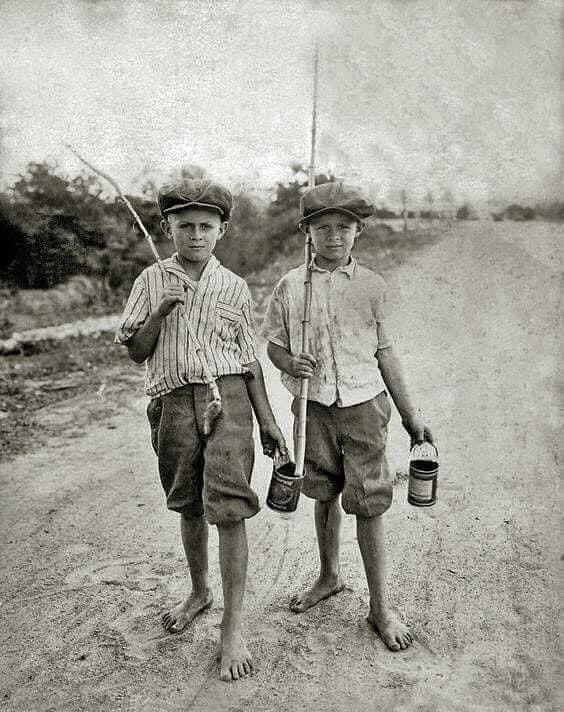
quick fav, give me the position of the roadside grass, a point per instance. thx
(93, 368)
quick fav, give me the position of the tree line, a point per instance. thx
(53, 227)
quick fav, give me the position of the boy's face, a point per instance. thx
(333, 236)
(194, 232)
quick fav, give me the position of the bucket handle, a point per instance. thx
(425, 442)
(279, 459)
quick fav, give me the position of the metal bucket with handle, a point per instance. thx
(285, 485)
(423, 474)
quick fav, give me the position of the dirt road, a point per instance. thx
(90, 557)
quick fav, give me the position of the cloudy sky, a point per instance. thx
(431, 95)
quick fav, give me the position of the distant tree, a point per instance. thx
(68, 227)
(518, 212)
(384, 213)
(283, 212)
(466, 212)
(403, 198)
(447, 201)
(463, 212)
(243, 247)
(550, 210)
(14, 247)
(430, 200)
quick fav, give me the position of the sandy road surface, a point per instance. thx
(90, 556)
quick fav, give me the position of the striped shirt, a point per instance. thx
(346, 330)
(220, 309)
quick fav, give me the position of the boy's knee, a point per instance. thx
(367, 507)
(328, 504)
(193, 515)
(231, 526)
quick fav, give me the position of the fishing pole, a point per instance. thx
(300, 444)
(213, 409)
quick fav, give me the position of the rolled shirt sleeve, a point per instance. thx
(380, 310)
(135, 313)
(275, 327)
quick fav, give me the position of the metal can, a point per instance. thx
(423, 474)
(285, 486)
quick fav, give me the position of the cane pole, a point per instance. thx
(213, 408)
(302, 403)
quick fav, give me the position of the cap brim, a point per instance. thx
(306, 219)
(206, 206)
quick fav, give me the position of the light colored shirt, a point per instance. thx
(220, 309)
(346, 331)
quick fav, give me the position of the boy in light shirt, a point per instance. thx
(350, 365)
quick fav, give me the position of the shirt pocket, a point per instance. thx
(228, 320)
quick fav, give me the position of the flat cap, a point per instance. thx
(334, 197)
(195, 193)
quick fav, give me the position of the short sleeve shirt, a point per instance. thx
(219, 307)
(346, 331)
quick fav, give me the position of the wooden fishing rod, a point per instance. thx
(213, 409)
(300, 443)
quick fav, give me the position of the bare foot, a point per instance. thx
(395, 634)
(236, 661)
(321, 589)
(178, 617)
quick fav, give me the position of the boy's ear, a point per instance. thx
(360, 226)
(165, 227)
(223, 229)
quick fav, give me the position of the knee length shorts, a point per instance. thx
(345, 453)
(209, 476)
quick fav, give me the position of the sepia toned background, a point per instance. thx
(449, 115)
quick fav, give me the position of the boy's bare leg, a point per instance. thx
(195, 540)
(236, 661)
(370, 534)
(327, 526)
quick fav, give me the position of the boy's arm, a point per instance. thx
(142, 343)
(270, 434)
(299, 365)
(392, 373)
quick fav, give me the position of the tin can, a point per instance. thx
(285, 486)
(423, 474)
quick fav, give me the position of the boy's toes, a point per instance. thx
(395, 635)
(296, 604)
(225, 675)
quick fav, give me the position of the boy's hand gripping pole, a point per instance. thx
(213, 408)
(300, 443)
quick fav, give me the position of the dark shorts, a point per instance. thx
(209, 476)
(345, 452)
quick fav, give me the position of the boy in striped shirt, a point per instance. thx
(350, 365)
(206, 479)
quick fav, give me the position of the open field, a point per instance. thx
(91, 557)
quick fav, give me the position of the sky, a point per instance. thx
(446, 95)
